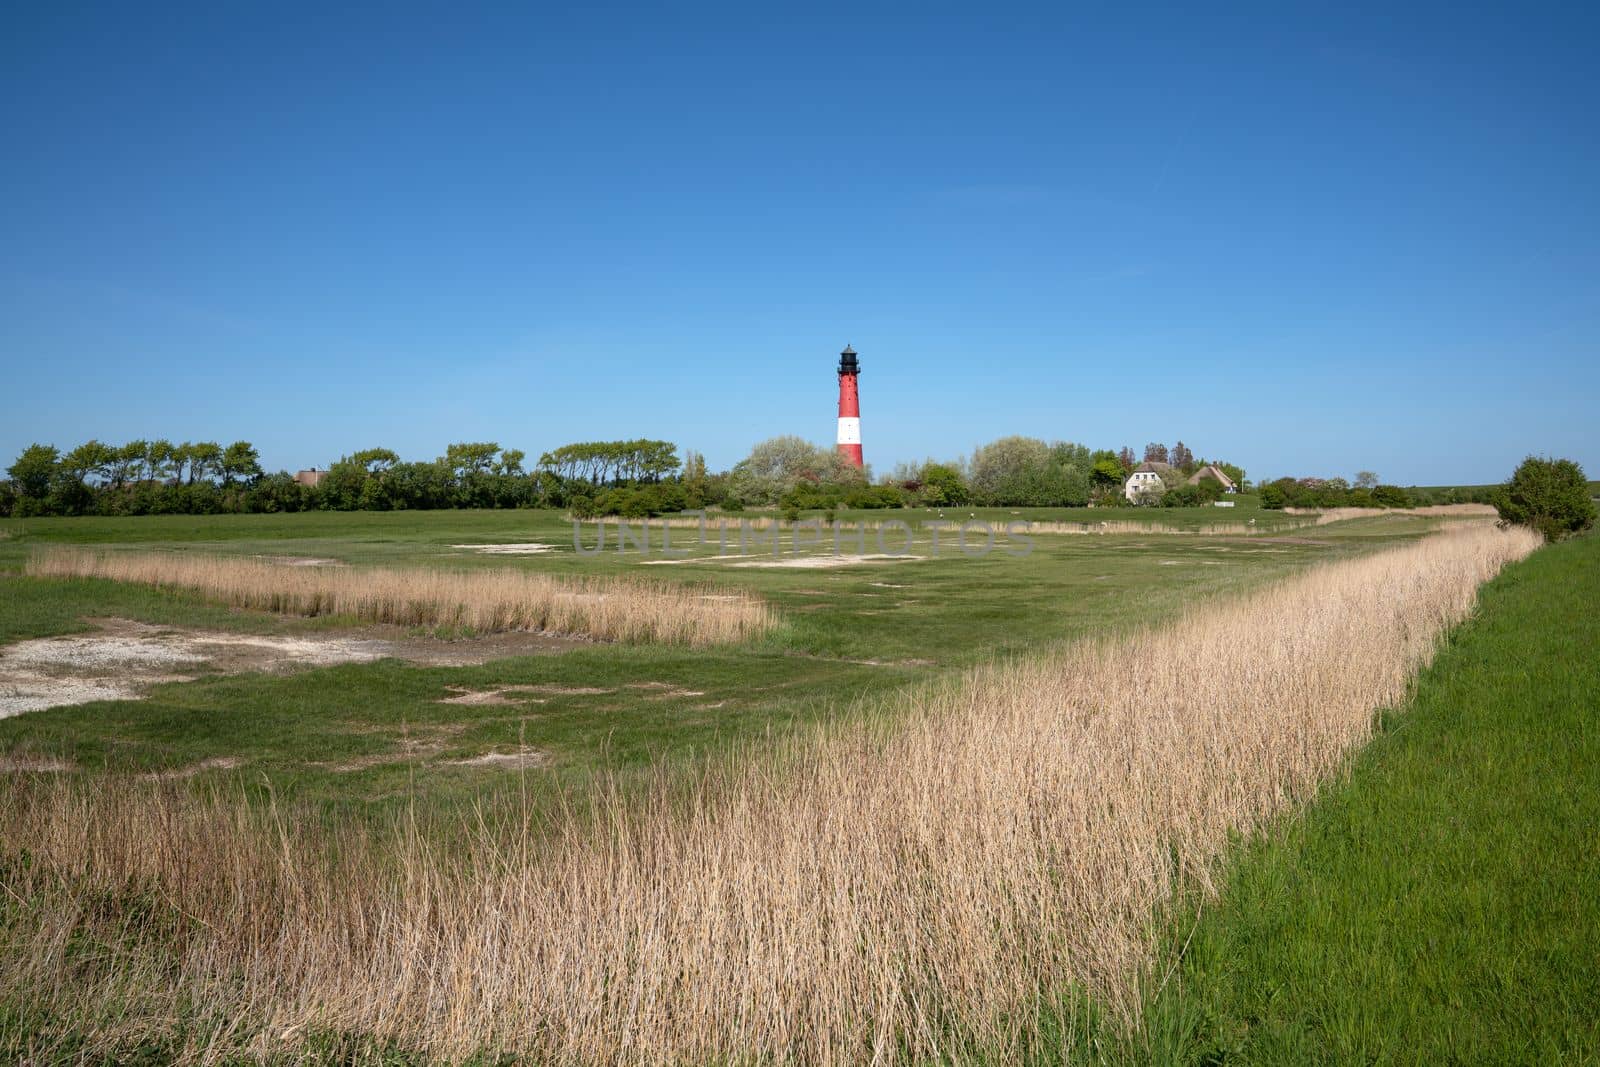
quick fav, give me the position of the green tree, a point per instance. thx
(89, 460)
(1548, 495)
(469, 459)
(34, 470)
(126, 462)
(205, 460)
(1007, 471)
(777, 465)
(946, 481)
(240, 462)
(158, 460)
(1107, 469)
(1391, 496)
(373, 460)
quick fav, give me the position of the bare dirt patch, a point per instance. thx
(520, 548)
(823, 562)
(122, 659)
(666, 689)
(496, 695)
(417, 744)
(510, 761)
(214, 763)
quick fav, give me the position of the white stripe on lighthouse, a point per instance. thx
(849, 431)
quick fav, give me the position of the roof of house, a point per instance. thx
(1210, 471)
(1152, 465)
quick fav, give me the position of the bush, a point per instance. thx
(1547, 495)
(875, 496)
(1391, 496)
(1273, 498)
(1183, 496)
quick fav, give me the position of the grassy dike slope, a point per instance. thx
(1443, 904)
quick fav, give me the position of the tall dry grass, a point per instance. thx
(901, 889)
(1324, 516)
(486, 601)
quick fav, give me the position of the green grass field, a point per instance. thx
(1441, 905)
(848, 636)
(1435, 907)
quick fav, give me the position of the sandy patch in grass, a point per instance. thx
(416, 744)
(493, 695)
(510, 761)
(517, 548)
(32, 765)
(666, 689)
(562, 690)
(123, 659)
(213, 763)
(824, 562)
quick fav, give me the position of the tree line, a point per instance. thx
(159, 477)
(644, 477)
(632, 478)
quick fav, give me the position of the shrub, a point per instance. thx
(943, 484)
(875, 496)
(1182, 496)
(1547, 495)
(1391, 496)
(1273, 498)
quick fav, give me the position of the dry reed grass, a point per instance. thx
(1323, 516)
(485, 601)
(902, 889)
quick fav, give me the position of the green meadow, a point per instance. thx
(1440, 904)
(374, 736)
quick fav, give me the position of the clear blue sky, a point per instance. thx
(1311, 241)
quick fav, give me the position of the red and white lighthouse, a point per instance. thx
(849, 407)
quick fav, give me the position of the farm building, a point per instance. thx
(309, 478)
(1145, 477)
(1216, 475)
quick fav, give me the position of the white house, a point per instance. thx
(1146, 477)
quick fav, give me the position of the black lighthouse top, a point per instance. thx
(847, 361)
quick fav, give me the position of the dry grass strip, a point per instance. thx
(878, 894)
(484, 601)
